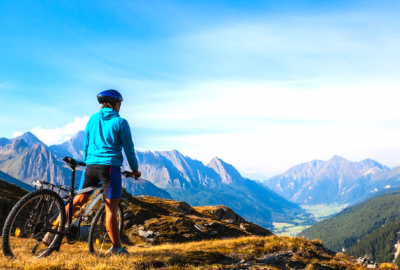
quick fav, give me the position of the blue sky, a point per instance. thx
(263, 85)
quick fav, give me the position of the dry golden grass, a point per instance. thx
(194, 255)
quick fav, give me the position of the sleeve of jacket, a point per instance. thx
(127, 144)
(86, 143)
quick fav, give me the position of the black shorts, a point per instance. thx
(110, 177)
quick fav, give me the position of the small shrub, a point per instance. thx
(318, 242)
(388, 266)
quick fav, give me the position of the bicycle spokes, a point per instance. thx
(29, 226)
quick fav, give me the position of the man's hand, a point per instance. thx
(136, 174)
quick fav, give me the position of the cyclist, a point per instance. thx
(106, 134)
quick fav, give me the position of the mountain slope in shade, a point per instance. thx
(318, 181)
(73, 147)
(218, 183)
(380, 245)
(350, 226)
(12, 180)
(144, 187)
(4, 141)
(9, 196)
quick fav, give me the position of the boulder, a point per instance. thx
(227, 213)
(128, 216)
(146, 234)
(183, 208)
(136, 218)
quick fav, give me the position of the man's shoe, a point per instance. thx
(117, 251)
(48, 238)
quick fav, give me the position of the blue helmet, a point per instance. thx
(109, 96)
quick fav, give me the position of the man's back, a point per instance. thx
(103, 143)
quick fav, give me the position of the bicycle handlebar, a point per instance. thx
(129, 174)
(126, 174)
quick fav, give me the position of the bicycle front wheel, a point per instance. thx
(25, 226)
(99, 240)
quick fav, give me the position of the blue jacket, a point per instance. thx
(105, 135)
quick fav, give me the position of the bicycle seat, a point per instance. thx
(74, 162)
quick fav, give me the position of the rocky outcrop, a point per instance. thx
(224, 212)
(156, 221)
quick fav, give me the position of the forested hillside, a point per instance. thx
(379, 246)
(354, 223)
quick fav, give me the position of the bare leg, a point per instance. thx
(112, 222)
(79, 200)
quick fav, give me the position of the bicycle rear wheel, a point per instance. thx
(99, 240)
(23, 229)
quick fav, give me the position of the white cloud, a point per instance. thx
(58, 135)
(17, 133)
(268, 127)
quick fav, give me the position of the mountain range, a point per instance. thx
(336, 180)
(217, 183)
(167, 174)
(26, 158)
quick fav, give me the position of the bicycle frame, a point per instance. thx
(72, 194)
(95, 199)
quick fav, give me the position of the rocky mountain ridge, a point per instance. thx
(25, 162)
(318, 182)
(189, 180)
(72, 147)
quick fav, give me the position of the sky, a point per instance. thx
(263, 85)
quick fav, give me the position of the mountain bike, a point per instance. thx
(42, 211)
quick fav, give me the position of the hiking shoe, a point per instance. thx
(117, 251)
(48, 239)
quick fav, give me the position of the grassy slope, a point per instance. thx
(378, 245)
(219, 254)
(354, 223)
(10, 192)
(161, 216)
(10, 179)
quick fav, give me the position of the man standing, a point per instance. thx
(105, 135)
